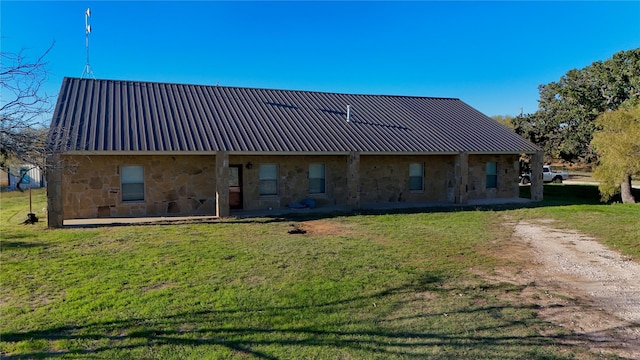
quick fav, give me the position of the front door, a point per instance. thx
(235, 186)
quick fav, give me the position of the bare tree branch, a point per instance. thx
(23, 108)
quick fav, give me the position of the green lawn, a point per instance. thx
(379, 286)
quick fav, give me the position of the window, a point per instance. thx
(132, 183)
(24, 175)
(416, 177)
(317, 179)
(492, 175)
(268, 179)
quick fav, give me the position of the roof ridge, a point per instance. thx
(266, 89)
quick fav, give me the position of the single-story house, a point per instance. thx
(132, 148)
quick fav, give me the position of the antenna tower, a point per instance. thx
(87, 30)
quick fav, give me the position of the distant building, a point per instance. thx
(130, 149)
(33, 177)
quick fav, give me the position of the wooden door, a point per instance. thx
(235, 186)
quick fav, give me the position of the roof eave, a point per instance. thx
(290, 153)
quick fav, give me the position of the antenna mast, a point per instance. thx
(87, 30)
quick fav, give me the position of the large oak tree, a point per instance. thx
(565, 121)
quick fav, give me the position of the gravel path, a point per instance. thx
(605, 280)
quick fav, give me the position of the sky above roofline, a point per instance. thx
(491, 55)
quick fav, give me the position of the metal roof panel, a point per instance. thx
(112, 115)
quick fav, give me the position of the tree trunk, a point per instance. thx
(625, 191)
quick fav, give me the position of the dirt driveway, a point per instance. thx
(589, 289)
(577, 283)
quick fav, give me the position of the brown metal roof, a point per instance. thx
(131, 116)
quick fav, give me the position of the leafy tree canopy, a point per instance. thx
(565, 121)
(505, 120)
(618, 145)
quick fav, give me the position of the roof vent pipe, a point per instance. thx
(348, 113)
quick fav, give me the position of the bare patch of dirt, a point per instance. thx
(158, 286)
(324, 227)
(578, 283)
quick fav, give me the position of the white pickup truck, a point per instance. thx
(549, 174)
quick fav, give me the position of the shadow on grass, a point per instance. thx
(497, 332)
(554, 195)
(7, 236)
(5, 245)
(564, 194)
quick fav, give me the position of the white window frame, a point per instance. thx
(414, 169)
(266, 178)
(312, 176)
(131, 179)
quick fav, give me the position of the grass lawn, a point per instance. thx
(379, 286)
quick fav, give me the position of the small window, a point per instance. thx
(132, 181)
(492, 175)
(317, 179)
(416, 177)
(24, 175)
(268, 179)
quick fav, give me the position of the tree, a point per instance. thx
(23, 109)
(618, 145)
(505, 120)
(565, 121)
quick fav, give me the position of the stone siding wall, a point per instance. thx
(508, 168)
(386, 179)
(293, 180)
(382, 179)
(185, 185)
(173, 185)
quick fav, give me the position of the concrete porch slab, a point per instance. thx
(278, 212)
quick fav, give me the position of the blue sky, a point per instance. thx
(491, 55)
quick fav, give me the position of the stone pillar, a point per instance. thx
(353, 180)
(222, 184)
(537, 185)
(53, 173)
(462, 177)
(516, 184)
